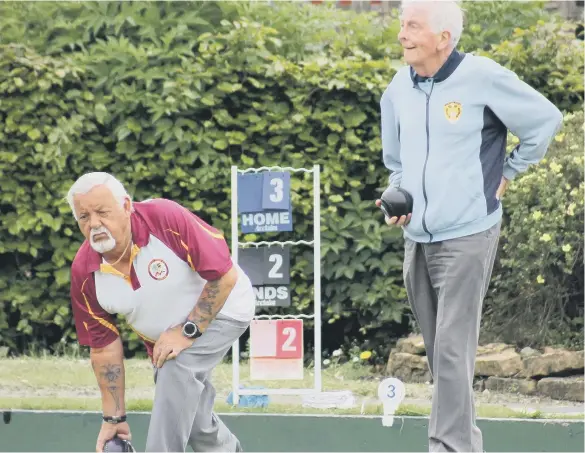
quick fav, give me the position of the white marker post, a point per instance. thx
(391, 392)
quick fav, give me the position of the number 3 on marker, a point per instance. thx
(391, 391)
(276, 196)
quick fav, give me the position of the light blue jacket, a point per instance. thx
(444, 141)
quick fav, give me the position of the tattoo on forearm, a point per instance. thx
(114, 392)
(110, 377)
(209, 303)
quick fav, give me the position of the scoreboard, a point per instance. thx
(261, 203)
(264, 205)
(276, 349)
(264, 202)
(269, 271)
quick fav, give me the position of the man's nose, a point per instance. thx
(401, 35)
(94, 221)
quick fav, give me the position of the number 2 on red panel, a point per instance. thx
(290, 334)
(289, 339)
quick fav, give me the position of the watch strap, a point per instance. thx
(114, 419)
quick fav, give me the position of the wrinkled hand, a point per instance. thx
(169, 345)
(109, 431)
(502, 188)
(395, 221)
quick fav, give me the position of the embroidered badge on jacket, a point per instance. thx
(453, 111)
(158, 269)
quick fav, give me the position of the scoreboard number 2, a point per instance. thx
(291, 334)
(289, 341)
(275, 258)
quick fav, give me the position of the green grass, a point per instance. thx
(64, 373)
(60, 383)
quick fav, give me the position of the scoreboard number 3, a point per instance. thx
(278, 194)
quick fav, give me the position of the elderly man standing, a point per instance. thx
(171, 276)
(444, 122)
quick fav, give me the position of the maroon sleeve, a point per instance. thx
(95, 327)
(192, 239)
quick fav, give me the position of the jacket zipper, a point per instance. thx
(424, 222)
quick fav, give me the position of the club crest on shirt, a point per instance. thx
(158, 269)
(453, 111)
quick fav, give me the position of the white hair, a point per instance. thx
(88, 181)
(444, 15)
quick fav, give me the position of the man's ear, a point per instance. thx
(444, 40)
(127, 206)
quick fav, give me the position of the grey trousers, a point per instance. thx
(446, 283)
(182, 412)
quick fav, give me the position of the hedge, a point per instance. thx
(537, 291)
(169, 111)
(177, 138)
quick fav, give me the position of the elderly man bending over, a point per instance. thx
(171, 276)
(445, 118)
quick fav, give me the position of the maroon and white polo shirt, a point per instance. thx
(173, 256)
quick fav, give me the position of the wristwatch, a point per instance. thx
(114, 420)
(190, 330)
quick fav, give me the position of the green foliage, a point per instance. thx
(537, 293)
(488, 23)
(548, 57)
(172, 124)
(57, 27)
(167, 96)
(538, 46)
(306, 30)
(46, 115)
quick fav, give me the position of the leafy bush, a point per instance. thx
(492, 22)
(176, 136)
(537, 292)
(547, 57)
(525, 38)
(128, 88)
(46, 115)
(306, 30)
(55, 27)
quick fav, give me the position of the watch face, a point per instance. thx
(190, 329)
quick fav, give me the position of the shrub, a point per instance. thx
(55, 28)
(490, 23)
(306, 30)
(46, 114)
(537, 291)
(548, 58)
(525, 37)
(177, 137)
(168, 108)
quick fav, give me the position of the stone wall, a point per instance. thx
(553, 373)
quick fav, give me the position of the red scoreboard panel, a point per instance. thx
(276, 349)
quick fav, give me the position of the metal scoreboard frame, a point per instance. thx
(316, 315)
